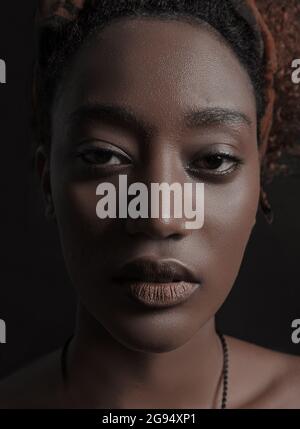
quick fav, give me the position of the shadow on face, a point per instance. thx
(158, 102)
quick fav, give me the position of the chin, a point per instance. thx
(155, 333)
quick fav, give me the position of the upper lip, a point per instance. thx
(152, 271)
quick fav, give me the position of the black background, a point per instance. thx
(37, 300)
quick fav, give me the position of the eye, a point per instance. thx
(103, 157)
(216, 164)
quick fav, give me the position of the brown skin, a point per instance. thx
(140, 358)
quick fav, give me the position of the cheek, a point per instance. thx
(83, 236)
(230, 217)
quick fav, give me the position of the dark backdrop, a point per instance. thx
(37, 301)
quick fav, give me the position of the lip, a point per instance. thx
(157, 284)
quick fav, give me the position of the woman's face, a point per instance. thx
(162, 97)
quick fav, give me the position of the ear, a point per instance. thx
(42, 167)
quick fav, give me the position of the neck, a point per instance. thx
(188, 377)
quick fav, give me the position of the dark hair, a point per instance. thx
(60, 39)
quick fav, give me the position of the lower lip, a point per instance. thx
(160, 295)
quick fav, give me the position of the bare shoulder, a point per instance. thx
(38, 385)
(262, 378)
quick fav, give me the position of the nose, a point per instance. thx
(164, 178)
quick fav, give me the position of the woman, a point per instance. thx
(166, 91)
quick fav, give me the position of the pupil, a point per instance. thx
(100, 157)
(104, 156)
(214, 161)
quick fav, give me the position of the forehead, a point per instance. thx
(158, 67)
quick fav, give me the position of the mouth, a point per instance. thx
(157, 284)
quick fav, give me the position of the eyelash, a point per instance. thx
(94, 151)
(236, 162)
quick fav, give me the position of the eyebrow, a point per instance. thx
(126, 118)
(113, 114)
(216, 115)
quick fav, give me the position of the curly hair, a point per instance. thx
(65, 25)
(283, 19)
